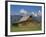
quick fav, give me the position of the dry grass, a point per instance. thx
(27, 26)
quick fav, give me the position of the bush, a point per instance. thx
(15, 24)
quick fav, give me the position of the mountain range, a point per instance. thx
(16, 18)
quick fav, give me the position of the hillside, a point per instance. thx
(28, 25)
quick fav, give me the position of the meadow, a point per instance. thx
(28, 26)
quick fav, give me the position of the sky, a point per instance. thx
(18, 9)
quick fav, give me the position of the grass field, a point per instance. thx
(29, 26)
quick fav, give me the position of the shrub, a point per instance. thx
(15, 24)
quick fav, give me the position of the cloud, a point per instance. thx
(34, 14)
(23, 11)
(39, 13)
